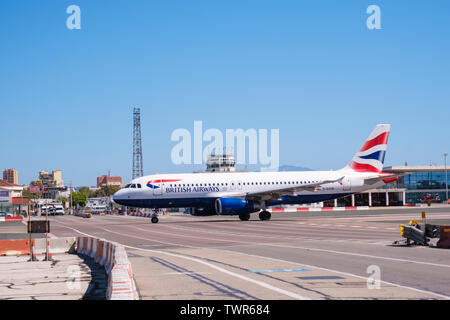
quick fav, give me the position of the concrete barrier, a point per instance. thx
(22, 246)
(14, 247)
(113, 256)
(321, 209)
(57, 245)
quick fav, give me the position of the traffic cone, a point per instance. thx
(48, 254)
(32, 252)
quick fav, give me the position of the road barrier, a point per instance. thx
(6, 219)
(14, 247)
(307, 209)
(113, 256)
(141, 214)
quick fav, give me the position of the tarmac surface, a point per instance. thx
(67, 277)
(315, 255)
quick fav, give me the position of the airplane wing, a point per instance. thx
(275, 194)
(388, 177)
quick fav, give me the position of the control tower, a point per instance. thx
(220, 163)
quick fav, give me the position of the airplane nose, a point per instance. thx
(117, 196)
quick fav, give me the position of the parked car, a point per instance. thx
(5, 214)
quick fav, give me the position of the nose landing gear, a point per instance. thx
(155, 216)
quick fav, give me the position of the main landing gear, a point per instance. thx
(244, 216)
(264, 215)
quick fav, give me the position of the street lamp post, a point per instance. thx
(446, 177)
(71, 208)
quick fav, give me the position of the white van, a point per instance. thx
(98, 209)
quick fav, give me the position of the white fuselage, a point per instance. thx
(198, 189)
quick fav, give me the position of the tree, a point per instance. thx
(79, 198)
(107, 191)
(63, 200)
(28, 194)
(86, 191)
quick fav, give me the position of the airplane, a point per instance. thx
(243, 193)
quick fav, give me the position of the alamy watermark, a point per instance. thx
(74, 20)
(374, 280)
(73, 277)
(190, 149)
(374, 20)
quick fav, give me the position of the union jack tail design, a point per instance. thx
(370, 157)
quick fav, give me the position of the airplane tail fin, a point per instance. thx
(370, 158)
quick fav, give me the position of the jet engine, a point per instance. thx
(236, 206)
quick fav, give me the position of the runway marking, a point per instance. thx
(276, 237)
(291, 294)
(359, 255)
(340, 272)
(277, 270)
(186, 236)
(133, 236)
(230, 273)
(372, 242)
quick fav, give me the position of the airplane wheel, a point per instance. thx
(264, 215)
(244, 217)
(155, 220)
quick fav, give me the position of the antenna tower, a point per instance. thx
(138, 170)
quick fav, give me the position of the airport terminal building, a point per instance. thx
(422, 182)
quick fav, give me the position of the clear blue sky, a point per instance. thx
(309, 68)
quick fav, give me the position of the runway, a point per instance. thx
(292, 256)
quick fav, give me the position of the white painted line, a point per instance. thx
(359, 255)
(344, 273)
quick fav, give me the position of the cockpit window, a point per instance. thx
(133, 186)
(127, 186)
(139, 185)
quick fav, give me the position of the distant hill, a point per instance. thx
(293, 168)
